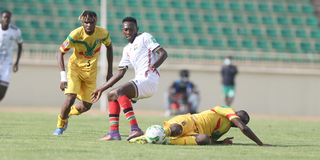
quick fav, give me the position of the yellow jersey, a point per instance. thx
(215, 122)
(86, 48)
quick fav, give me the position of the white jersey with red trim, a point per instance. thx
(140, 55)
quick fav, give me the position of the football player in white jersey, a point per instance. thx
(145, 55)
(9, 35)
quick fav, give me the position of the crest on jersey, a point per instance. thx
(153, 40)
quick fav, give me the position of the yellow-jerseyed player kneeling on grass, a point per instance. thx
(80, 81)
(205, 128)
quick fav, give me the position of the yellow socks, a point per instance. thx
(61, 122)
(74, 111)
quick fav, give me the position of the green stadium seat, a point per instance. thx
(50, 24)
(55, 38)
(204, 4)
(22, 24)
(27, 36)
(111, 27)
(176, 4)
(151, 16)
(74, 2)
(179, 17)
(209, 18)
(188, 41)
(256, 32)
(154, 28)
(292, 8)
(66, 25)
(147, 3)
(191, 4)
(183, 29)
(262, 44)
(286, 33)
(227, 31)
(315, 34)
(282, 20)
(64, 13)
(131, 3)
(305, 47)
(311, 21)
(40, 36)
(232, 43)
(168, 28)
(161, 3)
(234, 6)
(263, 7)
(278, 8)
(195, 17)
(19, 11)
(197, 29)
(120, 14)
(218, 43)
(238, 19)
(249, 7)
(137, 15)
(247, 43)
(278, 46)
(267, 20)
(296, 21)
(252, 19)
(242, 31)
(160, 40)
(35, 24)
(117, 3)
(165, 16)
(307, 9)
(203, 42)
(317, 47)
(271, 32)
(213, 30)
(291, 47)
(220, 6)
(47, 11)
(301, 33)
(174, 41)
(223, 18)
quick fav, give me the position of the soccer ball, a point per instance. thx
(155, 134)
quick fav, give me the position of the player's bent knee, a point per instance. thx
(202, 139)
(176, 129)
(112, 95)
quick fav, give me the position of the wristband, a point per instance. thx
(63, 76)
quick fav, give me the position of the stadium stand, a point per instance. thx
(276, 27)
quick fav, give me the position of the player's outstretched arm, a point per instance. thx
(95, 96)
(246, 130)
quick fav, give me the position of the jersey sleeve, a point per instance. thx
(225, 111)
(106, 40)
(19, 37)
(68, 43)
(150, 42)
(124, 62)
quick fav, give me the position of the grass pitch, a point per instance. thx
(29, 136)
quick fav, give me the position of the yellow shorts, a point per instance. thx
(82, 84)
(186, 121)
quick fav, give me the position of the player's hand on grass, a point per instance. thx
(63, 85)
(227, 141)
(95, 96)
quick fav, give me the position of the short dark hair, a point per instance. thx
(88, 13)
(184, 73)
(130, 19)
(6, 11)
(244, 116)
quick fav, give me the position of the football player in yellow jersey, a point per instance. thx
(206, 127)
(80, 80)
